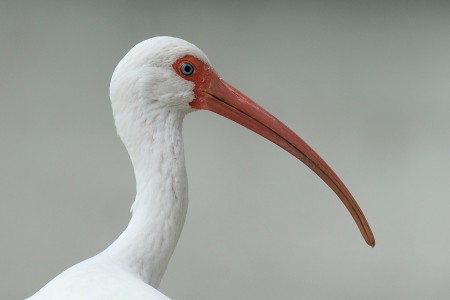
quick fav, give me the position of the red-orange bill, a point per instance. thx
(214, 94)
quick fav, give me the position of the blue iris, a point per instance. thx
(187, 68)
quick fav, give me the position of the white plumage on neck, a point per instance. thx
(161, 201)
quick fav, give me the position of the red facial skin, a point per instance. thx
(214, 94)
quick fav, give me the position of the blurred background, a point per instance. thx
(366, 84)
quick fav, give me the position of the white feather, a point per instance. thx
(149, 101)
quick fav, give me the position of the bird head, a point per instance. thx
(166, 75)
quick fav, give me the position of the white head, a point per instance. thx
(144, 83)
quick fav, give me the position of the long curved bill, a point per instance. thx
(220, 97)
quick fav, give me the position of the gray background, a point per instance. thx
(366, 84)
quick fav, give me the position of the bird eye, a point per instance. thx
(187, 68)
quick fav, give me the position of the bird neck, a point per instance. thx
(159, 210)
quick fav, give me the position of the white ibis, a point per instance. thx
(153, 87)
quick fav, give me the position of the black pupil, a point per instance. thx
(187, 69)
